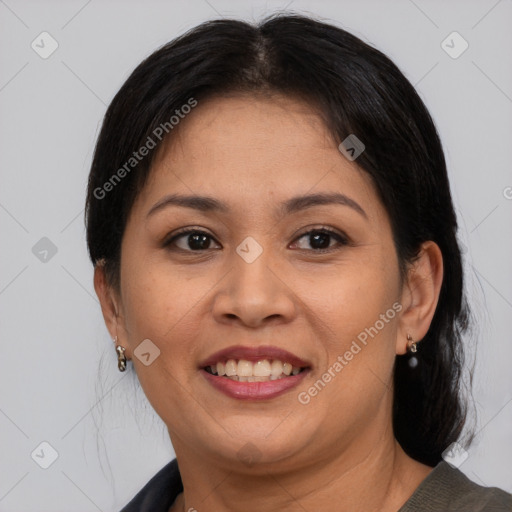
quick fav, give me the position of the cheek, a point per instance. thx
(357, 308)
(157, 307)
(155, 298)
(353, 295)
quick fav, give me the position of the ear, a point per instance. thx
(420, 295)
(109, 301)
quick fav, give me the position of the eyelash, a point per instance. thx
(340, 238)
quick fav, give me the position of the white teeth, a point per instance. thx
(259, 371)
(231, 368)
(261, 368)
(276, 368)
(221, 369)
(244, 368)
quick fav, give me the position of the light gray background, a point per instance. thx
(109, 442)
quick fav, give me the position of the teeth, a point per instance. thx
(277, 368)
(221, 369)
(231, 368)
(261, 368)
(260, 371)
(244, 368)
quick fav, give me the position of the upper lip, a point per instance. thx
(254, 354)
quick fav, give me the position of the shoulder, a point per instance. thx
(448, 489)
(160, 491)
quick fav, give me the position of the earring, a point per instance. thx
(411, 344)
(121, 358)
(412, 348)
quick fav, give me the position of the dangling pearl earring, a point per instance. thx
(412, 348)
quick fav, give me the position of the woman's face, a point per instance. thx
(290, 260)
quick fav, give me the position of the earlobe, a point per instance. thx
(420, 295)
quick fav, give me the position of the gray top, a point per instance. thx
(445, 489)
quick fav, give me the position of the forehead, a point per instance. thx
(253, 148)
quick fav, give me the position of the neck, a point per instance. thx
(380, 478)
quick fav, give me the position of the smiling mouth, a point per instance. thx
(264, 370)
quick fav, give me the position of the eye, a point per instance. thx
(195, 240)
(320, 240)
(191, 240)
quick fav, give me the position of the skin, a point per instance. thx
(338, 452)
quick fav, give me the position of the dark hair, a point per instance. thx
(357, 90)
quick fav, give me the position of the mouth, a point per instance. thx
(263, 370)
(254, 373)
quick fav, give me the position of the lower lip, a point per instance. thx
(254, 390)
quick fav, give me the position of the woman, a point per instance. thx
(275, 250)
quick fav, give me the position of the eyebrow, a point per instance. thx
(295, 204)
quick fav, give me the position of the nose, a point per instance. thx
(254, 294)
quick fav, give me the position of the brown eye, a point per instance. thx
(192, 241)
(320, 240)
